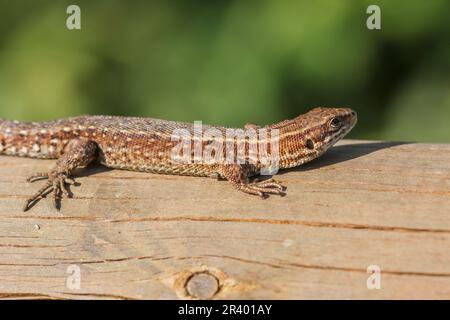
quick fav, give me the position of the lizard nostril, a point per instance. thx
(310, 144)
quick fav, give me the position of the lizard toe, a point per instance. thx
(41, 193)
(275, 185)
(37, 176)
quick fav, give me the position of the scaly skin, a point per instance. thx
(145, 144)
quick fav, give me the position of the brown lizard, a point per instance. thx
(146, 144)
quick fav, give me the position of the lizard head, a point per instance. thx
(329, 125)
(314, 132)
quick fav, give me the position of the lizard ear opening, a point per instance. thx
(310, 144)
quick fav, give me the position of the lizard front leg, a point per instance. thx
(239, 175)
(77, 153)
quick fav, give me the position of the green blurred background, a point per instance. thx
(231, 62)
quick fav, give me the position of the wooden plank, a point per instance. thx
(137, 235)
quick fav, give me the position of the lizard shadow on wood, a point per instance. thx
(344, 153)
(90, 170)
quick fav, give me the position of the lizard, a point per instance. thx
(146, 144)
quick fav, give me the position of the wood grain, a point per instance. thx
(137, 235)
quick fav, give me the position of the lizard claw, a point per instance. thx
(56, 183)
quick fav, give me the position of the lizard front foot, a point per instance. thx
(77, 153)
(239, 175)
(56, 183)
(263, 188)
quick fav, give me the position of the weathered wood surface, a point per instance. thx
(137, 235)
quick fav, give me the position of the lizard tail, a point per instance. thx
(2, 136)
(26, 139)
(14, 137)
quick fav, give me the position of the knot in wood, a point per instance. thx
(202, 285)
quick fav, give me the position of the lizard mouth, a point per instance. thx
(350, 121)
(353, 120)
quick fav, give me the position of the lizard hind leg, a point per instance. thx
(77, 153)
(239, 175)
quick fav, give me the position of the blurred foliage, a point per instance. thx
(231, 62)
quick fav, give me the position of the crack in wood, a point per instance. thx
(334, 268)
(99, 295)
(288, 222)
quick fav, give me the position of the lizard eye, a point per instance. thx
(335, 123)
